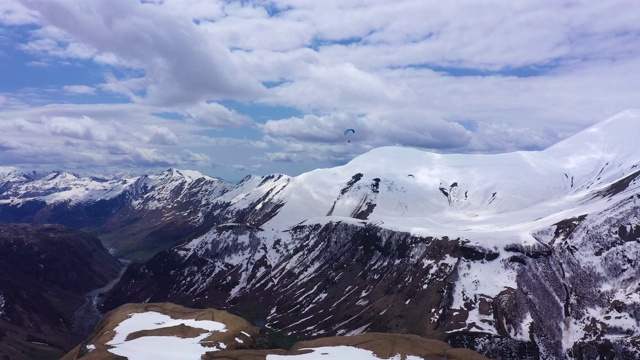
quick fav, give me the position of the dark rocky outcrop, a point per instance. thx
(45, 271)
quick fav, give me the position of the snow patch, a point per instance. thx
(161, 347)
(337, 353)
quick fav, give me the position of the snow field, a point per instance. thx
(338, 353)
(161, 347)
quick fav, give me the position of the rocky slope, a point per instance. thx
(45, 271)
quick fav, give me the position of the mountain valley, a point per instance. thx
(45, 272)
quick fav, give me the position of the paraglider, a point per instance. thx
(349, 131)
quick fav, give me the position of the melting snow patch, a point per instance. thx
(523, 335)
(337, 353)
(161, 347)
(357, 331)
(91, 347)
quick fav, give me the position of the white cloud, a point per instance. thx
(518, 75)
(406, 127)
(500, 137)
(127, 137)
(191, 158)
(14, 13)
(239, 167)
(216, 116)
(79, 89)
(83, 128)
(279, 157)
(311, 128)
(150, 156)
(160, 135)
(341, 86)
(8, 144)
(41, 64)
(177, 71)
(277, 34)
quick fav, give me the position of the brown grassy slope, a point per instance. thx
(389, 345)
(103, 332)
(384, 346)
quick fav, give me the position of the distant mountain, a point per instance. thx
(136, 217)
(45, 271)
(518, 255)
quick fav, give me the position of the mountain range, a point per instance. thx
(530, 254)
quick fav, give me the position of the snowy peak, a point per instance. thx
(55, 187)
(496, 183)
(12, 175)
(61, 176)
(187, 175)
(602, 153)
(6, 171)
(616, 136)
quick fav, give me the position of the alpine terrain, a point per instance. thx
(529, 255)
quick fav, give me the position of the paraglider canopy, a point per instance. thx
(349, 131)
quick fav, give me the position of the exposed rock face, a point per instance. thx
(45, 271)
(339, 279)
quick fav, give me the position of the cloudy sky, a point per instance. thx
(257, 86)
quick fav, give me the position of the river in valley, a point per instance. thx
(88, 315)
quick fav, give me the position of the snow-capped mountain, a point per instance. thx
(138, 216)
(151, 212)
(518, 255)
